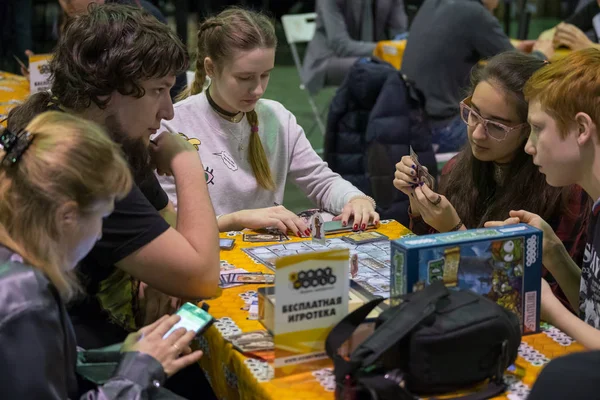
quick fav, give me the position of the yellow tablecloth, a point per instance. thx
(231, 378)
(392, 51)
(14, 89)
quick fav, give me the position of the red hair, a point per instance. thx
(567, 87)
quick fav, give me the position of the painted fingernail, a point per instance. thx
(355, 227)
(344, 223)
(307, 232)
(363, 227)
(415, 179)
(421, 184)
(298, 234)
(412, 172)
(414, 167)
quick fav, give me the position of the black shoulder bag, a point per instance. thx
(436, 341)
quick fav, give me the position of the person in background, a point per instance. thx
(72, 8)
(581, 30)
(565, 145)
(59, 178)
(15, 32)
(121, 80)
(486, 179)
(346, 31)
(447, 39)
(252, 146)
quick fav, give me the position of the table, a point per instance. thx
(233, 376)
(14, 89)
(392, 51)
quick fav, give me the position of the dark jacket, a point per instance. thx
(38, 350)
(447, 39)
(374, 118)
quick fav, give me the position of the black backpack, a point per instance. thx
(436, 341)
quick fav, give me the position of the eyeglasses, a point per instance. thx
(495, 130)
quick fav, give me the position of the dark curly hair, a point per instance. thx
(112, 48)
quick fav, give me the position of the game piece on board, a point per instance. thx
(318, 233)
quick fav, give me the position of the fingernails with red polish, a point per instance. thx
(355, 227)
(307, 232)
(363, 227)
(344, 223)
(299, 234)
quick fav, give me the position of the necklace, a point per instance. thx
(229, 116)
(240, 140)
(500, 173)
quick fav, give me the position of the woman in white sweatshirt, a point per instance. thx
(251, 146)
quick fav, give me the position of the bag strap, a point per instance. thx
(344, 329)
(401, 321)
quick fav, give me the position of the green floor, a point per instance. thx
(284, 87)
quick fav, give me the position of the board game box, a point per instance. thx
(503, 264)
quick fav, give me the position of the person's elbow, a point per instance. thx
(204, 283)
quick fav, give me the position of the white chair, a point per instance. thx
(300, 28)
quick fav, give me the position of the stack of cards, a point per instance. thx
(252, 342)
(232, 278)
(265, 237)
(364, 237)
(422, 173)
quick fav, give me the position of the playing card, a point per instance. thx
(422, 174)
(252, 336)
(255, 345)
(251, 278)
(263, 237)
(364, 237)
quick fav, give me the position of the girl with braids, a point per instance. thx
(493, 174)
(251, 146)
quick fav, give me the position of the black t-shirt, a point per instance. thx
(134, 223)
(589, 292)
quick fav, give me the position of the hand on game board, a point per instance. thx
(550, 241)
(359, 210)
(277, 217)
(435, 209)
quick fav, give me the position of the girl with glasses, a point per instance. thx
(492, 174)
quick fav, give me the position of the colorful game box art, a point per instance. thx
(503, 264)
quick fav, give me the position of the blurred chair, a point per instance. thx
(300, 28)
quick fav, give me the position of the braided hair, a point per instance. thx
(219, 38)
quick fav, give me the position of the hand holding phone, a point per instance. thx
(193, 318)
(172, 352)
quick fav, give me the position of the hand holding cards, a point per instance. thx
(422, 174)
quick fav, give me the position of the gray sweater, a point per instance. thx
(349, 28)
(447, 38)
(223, 145)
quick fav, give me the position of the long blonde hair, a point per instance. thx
(219, 37)
(69, 159)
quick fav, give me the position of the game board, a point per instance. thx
(373, 260)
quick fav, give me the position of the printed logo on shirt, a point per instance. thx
(589, 292)
(227, 160)
(193, 141)
(209, 176)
